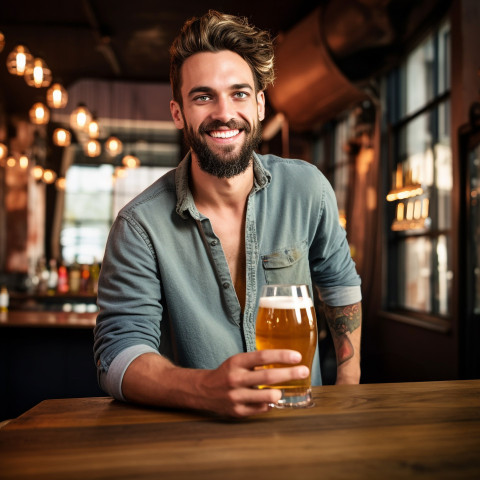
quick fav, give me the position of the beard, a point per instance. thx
(226, 164)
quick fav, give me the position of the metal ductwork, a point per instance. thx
(324, 63)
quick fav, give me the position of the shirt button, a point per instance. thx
(213, 243)
(226, 285)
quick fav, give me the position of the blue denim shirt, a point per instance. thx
(165, 285)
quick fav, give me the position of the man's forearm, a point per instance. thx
(345, 324)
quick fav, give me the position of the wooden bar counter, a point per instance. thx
(425, 430)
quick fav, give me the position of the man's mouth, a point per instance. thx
(224, 133)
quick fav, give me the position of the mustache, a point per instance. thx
(232, 124)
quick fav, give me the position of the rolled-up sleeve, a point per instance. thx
(129, 296)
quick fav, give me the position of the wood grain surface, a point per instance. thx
(427, 430)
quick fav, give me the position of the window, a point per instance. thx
(420, 196)
(92, 200)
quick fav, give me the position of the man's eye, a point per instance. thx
(202, 98)
(241, 94)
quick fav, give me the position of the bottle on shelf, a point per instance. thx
(42, 275)
(74, 277)
(62, 284)
(94, 273)
(85, 279)
(52, 277)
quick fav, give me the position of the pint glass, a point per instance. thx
(286, 319)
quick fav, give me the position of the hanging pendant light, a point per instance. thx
(3, 151)
(38, 74)
(92, 148)
(2, 41)
(61, 183)
(113, 146)
(57, 96)
(23, 161)
(93, 127)
(39, 114)
(80, 117)
(62, 137)
(11, 162)
(49, 176)
(131, 161)
(18, 60)
(37, 172)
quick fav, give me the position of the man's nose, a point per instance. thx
(223, 110)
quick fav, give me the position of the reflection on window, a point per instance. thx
(421, 184)
(92, 200)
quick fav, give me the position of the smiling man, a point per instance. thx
(186, 259)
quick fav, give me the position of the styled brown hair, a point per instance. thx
(216, 31)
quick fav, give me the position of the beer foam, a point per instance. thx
(285, 303)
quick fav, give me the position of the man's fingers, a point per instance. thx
(272, 376)
(250, 360)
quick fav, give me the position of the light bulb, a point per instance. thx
(37, 172)
(92, 148)
(39, 114)
(23, 161)
(130, 161)
(3, 151)
(80, 117)
(18, 60)
(61, 137)
(113, 146)
(38, 74)
(57, 96)
(49, 176)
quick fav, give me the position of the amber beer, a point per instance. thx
(286, 319)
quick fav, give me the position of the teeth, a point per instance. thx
(224, 133)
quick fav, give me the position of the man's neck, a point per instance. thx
(213, 192)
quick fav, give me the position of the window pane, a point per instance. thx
(418, 75)
(444, 58)
(414, 274)
(443, 283)
(443, 169)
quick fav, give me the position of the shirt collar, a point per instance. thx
(185, 203)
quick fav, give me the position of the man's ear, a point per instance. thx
(176, 113)
(261, 105)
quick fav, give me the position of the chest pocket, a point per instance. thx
(287, 265)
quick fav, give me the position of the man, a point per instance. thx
(186, 259)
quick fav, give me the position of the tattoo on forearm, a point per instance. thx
(343, 320)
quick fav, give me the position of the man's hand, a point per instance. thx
(231, 389)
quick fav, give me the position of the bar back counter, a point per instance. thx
(45, 354)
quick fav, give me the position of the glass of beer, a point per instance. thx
(286, 319)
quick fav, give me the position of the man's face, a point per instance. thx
(221, 112)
